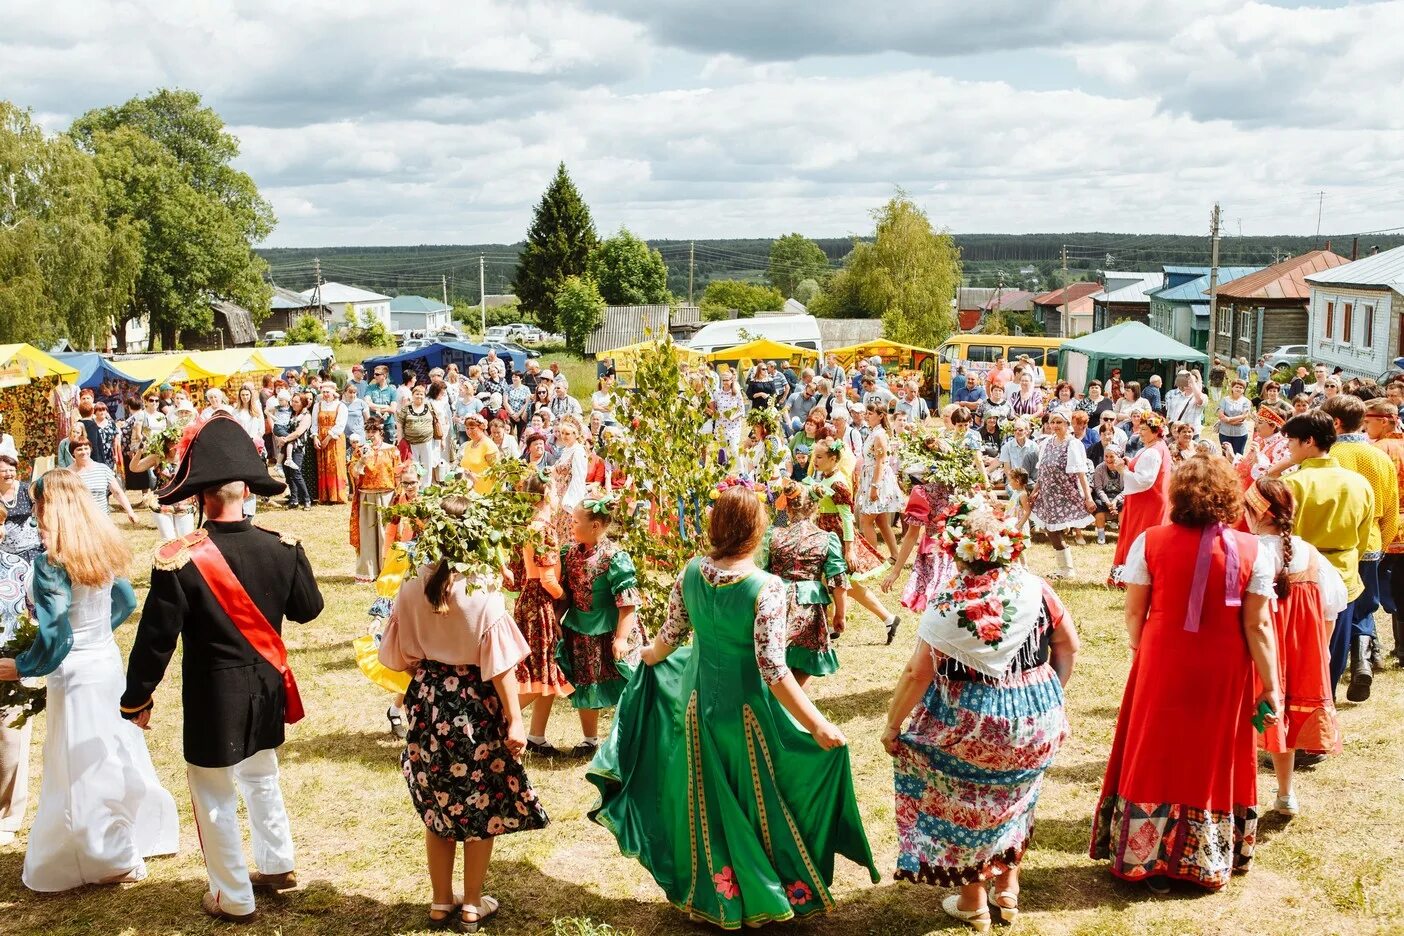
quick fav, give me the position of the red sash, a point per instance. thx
(245, 614)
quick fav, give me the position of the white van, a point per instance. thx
(799, 330)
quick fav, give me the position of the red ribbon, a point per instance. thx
(248, 618)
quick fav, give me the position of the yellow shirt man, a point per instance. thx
(1355, 453)
(1335, 513)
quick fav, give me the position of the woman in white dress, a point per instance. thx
(879, 495)
(102, 810)
(248, 413)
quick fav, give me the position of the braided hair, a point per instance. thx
(1281, 510)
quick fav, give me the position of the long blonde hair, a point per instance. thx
(77, 536)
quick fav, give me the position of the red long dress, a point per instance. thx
(1142, 510)
(1180, 795)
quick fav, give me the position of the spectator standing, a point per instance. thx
(1186, 402)
(1152, 396)
(1235, 411)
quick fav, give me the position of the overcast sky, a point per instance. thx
(392, 122)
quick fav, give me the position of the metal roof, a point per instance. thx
(1381, 271)
(417, 304)
(340, 292)
(1196, 289)
(287, 299)
(1187, 270)
(1010, 300)
(1136, 291)
(626, 325)
(1075, 291)
(1285, 280)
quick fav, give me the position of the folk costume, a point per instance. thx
(835, 514)
(599, 580)
(810, 563)
(224, 590)
(1145, 502)
(102, 809)
(705, 778)
(329, 425)
(536, 572)
(374, 473)
(932, 567)
(1180, 794)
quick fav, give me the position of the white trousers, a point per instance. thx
(216, 808)
(14, 773)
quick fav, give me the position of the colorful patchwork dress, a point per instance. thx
(835, 514)
(599, 580)
(810, 562)
(705, 778)
(932, 567)
(536, 571)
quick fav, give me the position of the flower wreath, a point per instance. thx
(973, 531)
(766, 418)
(1153, 421)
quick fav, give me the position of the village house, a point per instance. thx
(1074, 319)
(233, 328)
(970, 305)
(286, 307)
(1355, 317)
(350, 305)
(1268, 308)
(626, 325)
(416, 313)
(1125, 297)
(1181, 308)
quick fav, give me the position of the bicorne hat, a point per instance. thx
(220, 453)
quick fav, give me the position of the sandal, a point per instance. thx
(396, 717)
(445, 922)
(892, 624)
(999, 913)
(979, 919)
(484, 911)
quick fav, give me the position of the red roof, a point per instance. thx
(1009, 299)
(1282, 280)
(1075, 291)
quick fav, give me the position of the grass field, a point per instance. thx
(360, 855)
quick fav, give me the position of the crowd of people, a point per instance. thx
(1281, 514)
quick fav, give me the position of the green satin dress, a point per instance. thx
(705, 778)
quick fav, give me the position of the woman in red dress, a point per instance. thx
(1180, 796)
(1145, 481)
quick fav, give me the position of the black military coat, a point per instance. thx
(233, 698)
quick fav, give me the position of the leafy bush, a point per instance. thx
(306, 330)
(721, 296)
(579, 310)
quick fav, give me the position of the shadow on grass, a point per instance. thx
(372, 749)
(1087, 771)
(1063, 835)
(863, 704)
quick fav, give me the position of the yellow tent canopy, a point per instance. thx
(626, 358)
(166, 368)
(20, 363)
(763, 349)
(890, 352)
(233, 361)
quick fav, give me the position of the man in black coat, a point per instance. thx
(225, 590)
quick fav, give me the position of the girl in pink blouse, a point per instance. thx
(465, 735)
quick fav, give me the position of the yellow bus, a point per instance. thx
(978, 354)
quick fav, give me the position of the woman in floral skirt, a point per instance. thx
(1062, 498)
(458, 639)
(535, 572)
(810, 563)
(834, 513)
(986, 682)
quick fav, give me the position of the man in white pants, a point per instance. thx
(224, 589)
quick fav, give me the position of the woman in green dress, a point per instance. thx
(719, 774)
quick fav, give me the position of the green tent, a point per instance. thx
(1137, 349)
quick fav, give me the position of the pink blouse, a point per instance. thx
(477, 630)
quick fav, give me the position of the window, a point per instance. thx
(1224, 321)
(1367, 312)
(1052, 359)
(950, 353)
(1035, 354)
(983, 353)
(1245, 320)
(1347, 324)
(1329, 331)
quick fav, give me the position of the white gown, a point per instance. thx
(102, 809)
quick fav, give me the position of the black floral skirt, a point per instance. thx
(463, 782)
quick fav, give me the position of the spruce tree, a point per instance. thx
(559, 243)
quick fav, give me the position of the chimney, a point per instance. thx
(1354, 247)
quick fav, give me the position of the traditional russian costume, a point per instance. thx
(932, 567)
(705, 778)
(536, 571)
(834, 513)
(599, 580)
(1145, 502)
(810, 562)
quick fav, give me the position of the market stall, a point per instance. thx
(903, 358)
(298, 357)
(30, 401)
(422, 360)
(174, 368)
(94, 370)
(1137, 349)
(626, 359)
(743, 356)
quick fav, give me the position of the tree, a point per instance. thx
(369, 331)
(628, 272)
(907, 275)
(559, 243)
(579, 310)
(306, 330)
(806, 291)
(63, 273)
(166, 167)
(471, 314)
(794, 258)
(721, 296)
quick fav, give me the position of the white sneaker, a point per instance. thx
(1286, 805)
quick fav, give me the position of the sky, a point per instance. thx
(392, 122)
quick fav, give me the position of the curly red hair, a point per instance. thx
(1205, 491)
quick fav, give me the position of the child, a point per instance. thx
(1106, 492)
(835, 514)
(602, 637)
(1020, 499)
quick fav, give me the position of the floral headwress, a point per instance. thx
(599, 507)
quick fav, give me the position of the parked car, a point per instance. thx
(273, 337)
(532, 335)
(514, 346)
(497, 333)
(1287, 354)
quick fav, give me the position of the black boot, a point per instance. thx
(1397, 622)
(1376, 654)
(1360, 672)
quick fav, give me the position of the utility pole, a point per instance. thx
(1320, 201)
(691, 258)
(316, 281)
(1213, 280)
(482, 294)
(1066, 324)
(444, 280)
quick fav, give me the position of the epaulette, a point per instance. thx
(175, 554)
(287, 539)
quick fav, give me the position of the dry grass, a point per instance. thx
(1332, 870)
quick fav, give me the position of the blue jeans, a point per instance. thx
(1235, 442)
(297, 486)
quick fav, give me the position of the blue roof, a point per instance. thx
(1187, 270)
(94, 369)
(433, 355)
(1197, 289)
(417, 304)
